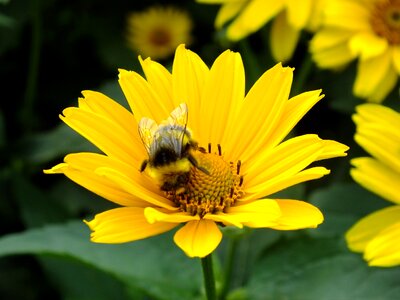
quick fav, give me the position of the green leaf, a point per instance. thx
(154, 265)
(316, 269)
(342, 205)
(46, 146)
(36, 207)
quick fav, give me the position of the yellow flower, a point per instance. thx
(290, 18)
(367, 30)
(240, 145)
(157, 31)
(378, 234)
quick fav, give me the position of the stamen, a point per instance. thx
(209, 147)
(239, 163)
(212, 191)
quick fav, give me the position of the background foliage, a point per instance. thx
(50, 50)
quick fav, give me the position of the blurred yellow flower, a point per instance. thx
(367, 30)
(289, 19)
(378, 234)
(241, 157)
(157, 31)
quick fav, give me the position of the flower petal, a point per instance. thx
(287, 159)
(156, 215)
(396, 58)
(125, 224)
(133, 187)
(260, 213)
(381, 140)
(104, 133)
(262, 107)
(334, 57)
(284, 37)
(198, 238)
(160, 80)
(355, 13)
(222, 96)
(298, 12)
(298, 215)
(384, 249)
(189, 73)
(227, 12)
(377, 177)
(142, 98)
(81, 167)
(279, 184)
(365, 230)
(255, 15)
(367, 45)
(370, 73)
(294, 110)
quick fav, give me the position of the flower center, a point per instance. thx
(160, 37)
(385, 20)
(211, 191)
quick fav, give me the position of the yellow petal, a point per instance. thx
(375, 113)
(133, 187)
(160, 80)
(334, 57)
(381, 141)
(385, 86)
(142, 98)
(107, 135)
(279, 184)
(384, 249)
(356, 15)
(332, 149)
(227, 12)
(80, 168)
(260, 213)
(376, 177)
(328, 37)
(126, 224)
(367, 45)
(222, 96)
(255, 15)
(189, 73)
(285, 160)
(299, 12)
(262, 108)
(294, 111)
(370, 73)
(365, 230)
(298, 215)
(198, 238)
(157, 215)
(396, 58)
(284, 37)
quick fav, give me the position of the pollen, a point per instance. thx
(213, 186)
(385, 20)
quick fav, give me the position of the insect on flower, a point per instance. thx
(169, 147)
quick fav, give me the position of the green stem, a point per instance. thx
(230, 258)
(302, 75)
(31, 85)
(208, 274)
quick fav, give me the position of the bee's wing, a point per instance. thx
(178, 121)
(179, 116)
(147, 130)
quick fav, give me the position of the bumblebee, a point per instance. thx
(169, 147)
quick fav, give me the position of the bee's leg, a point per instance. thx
(143, 165)
(193, 161)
